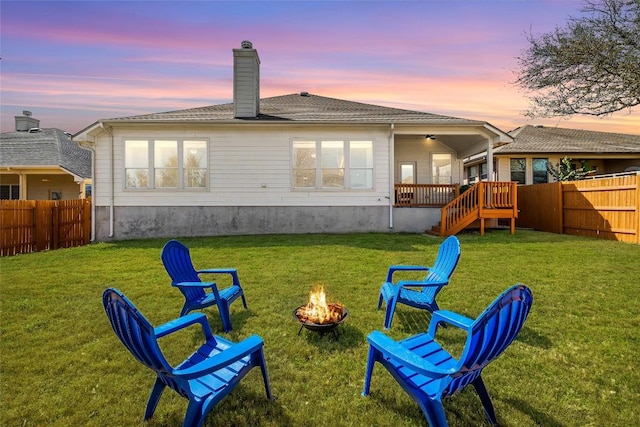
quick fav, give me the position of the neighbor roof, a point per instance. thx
(538, 139)
(46, 147)
(302, 107)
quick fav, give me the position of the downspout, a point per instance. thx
(111, 187)
(90, 147)
(391, 174)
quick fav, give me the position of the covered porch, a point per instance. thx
(427, 169)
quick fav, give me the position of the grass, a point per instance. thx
(575, 362)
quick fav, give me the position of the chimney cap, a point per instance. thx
(26, 113)
(246, 44)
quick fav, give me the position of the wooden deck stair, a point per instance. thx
(485, 200)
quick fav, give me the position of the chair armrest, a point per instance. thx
(182, 322)
(194, 284)
(223, 359)
(231, 271)
(424, 283)
(451, 318)
(390, 348)
(395, 268)
(217, 271)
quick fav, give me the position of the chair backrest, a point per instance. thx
(447, 258)
(133, 330)
(492, 332)
(177, 261)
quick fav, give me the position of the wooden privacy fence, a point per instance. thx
(38, 225)
(603, 207)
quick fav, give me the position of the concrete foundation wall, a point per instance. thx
(147, 222)
(415, 220)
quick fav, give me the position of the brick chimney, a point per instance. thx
(246, 81)
(26, 122)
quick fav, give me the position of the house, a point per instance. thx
(525, 159)
(296, 163)
(42, 164)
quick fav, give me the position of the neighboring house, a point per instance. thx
(525, 159)
(42, 164)
(297, 163)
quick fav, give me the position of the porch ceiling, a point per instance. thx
(464, 140)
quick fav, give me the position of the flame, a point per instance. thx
(318, 311)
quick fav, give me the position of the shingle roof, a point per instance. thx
(47, 147)
(536, 139)
(304, 108)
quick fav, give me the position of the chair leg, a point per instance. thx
(244, 302)
(481, 389)
(388, 316)
(265, 375)
(195, 416)
(434, 412)
(154, 397)
(223, 308)
(371, 359)
(380, 299)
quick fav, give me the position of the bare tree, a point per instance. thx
(591, 66)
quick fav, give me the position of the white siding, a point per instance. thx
(248, 166)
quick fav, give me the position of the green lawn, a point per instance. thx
(575, 362)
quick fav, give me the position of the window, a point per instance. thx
(333, 164)
(408, 172)
(441, 165)
(361, 164)
(166, 164)
(9, 192)
(540, 175)
(518, 170)
(472, 174)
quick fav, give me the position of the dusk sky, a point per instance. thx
(74, 62)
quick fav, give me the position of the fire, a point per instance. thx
(318, 310)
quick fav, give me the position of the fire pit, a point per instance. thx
(318, 315)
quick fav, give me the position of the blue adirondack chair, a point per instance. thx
(205, 377)
(177, 261)
(428, 373)
(420, 293)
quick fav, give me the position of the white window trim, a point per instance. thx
(318, 166)
(451, 159)
(152, 168)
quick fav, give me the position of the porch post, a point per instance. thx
(490, 176)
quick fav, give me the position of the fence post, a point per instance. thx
(637, 215)
(55, 229)
(560, 217)
(40, 229)
(86, 220)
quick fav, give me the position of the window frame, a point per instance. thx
(439, 176)
(11, 190)
(345, 168)
(539, 174)
(153, 166)
(523, 161)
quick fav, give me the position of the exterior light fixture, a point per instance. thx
(430, 136)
